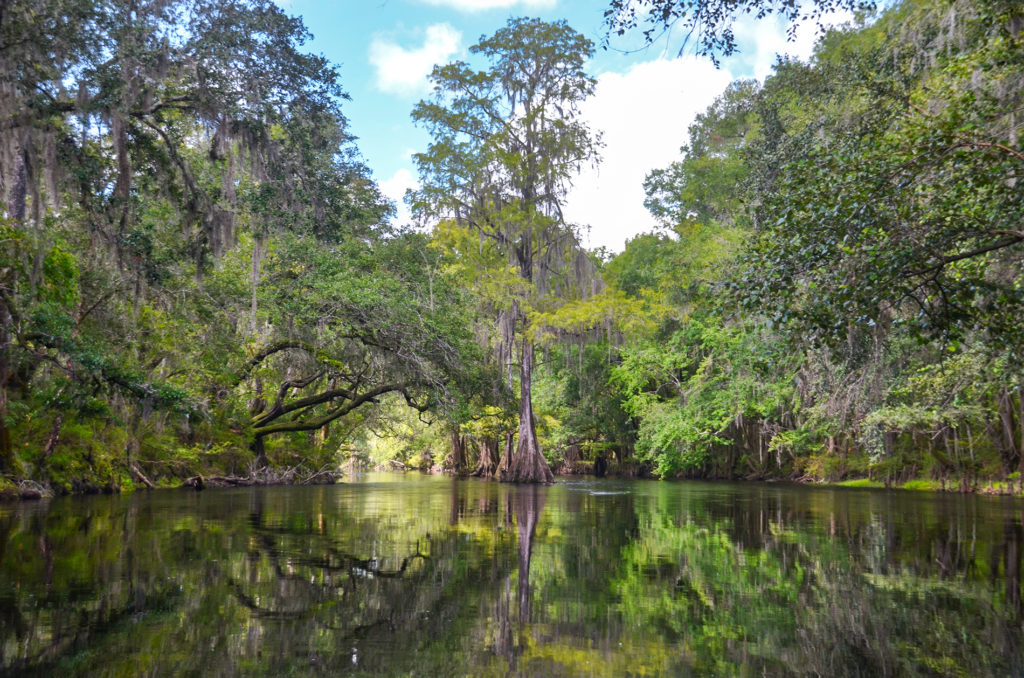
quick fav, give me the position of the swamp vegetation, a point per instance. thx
(199, 276)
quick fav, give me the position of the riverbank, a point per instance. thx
(1009, 487)
(29, 490)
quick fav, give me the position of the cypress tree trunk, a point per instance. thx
(527, 465)
(488, 462)
(458, 451)
(506, 458)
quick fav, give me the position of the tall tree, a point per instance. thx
(506, 142)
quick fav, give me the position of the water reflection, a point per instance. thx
(433, 576)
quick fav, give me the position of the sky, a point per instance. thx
(645, 99)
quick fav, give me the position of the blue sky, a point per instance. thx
(644, 102)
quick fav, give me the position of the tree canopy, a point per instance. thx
(199, 277)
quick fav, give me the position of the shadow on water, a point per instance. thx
(421, 575)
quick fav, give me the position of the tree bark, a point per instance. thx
(458, 451)
(506, 458)
(528, 464)
(19, 188)
(488, 462)
(259, 451)
(51, 442)
(263, 424)
(8, 463)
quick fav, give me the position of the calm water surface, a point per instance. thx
(429, 576)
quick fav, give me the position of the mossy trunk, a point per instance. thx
(1010, 453)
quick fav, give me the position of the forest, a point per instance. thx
(201, 282)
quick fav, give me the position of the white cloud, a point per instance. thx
(644, 114)
(761, 40)
(480, 5)
(394, 188)
(404, 71)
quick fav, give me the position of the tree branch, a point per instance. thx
(268, 351)
(354, 402)
(1016, 238)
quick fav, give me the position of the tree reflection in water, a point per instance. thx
(527, 501)
(434, 576)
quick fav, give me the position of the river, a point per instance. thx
(413, 575)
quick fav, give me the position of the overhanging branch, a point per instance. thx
(352, 404)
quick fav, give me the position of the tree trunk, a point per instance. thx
(1020, 425)
(527, 465)
(488, 462)
(51, 443)
(506, 459)
(458, 451)
(8, 464)
(259, 450)
(19, 189)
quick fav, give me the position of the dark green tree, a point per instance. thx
(899, 199)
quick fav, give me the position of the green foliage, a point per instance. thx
(691, 388)
(197, 273)
(858, 211)
(703, 186)
(200, 260)
(898, 202)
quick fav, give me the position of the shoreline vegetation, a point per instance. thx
(200, 277)
(27, 490)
